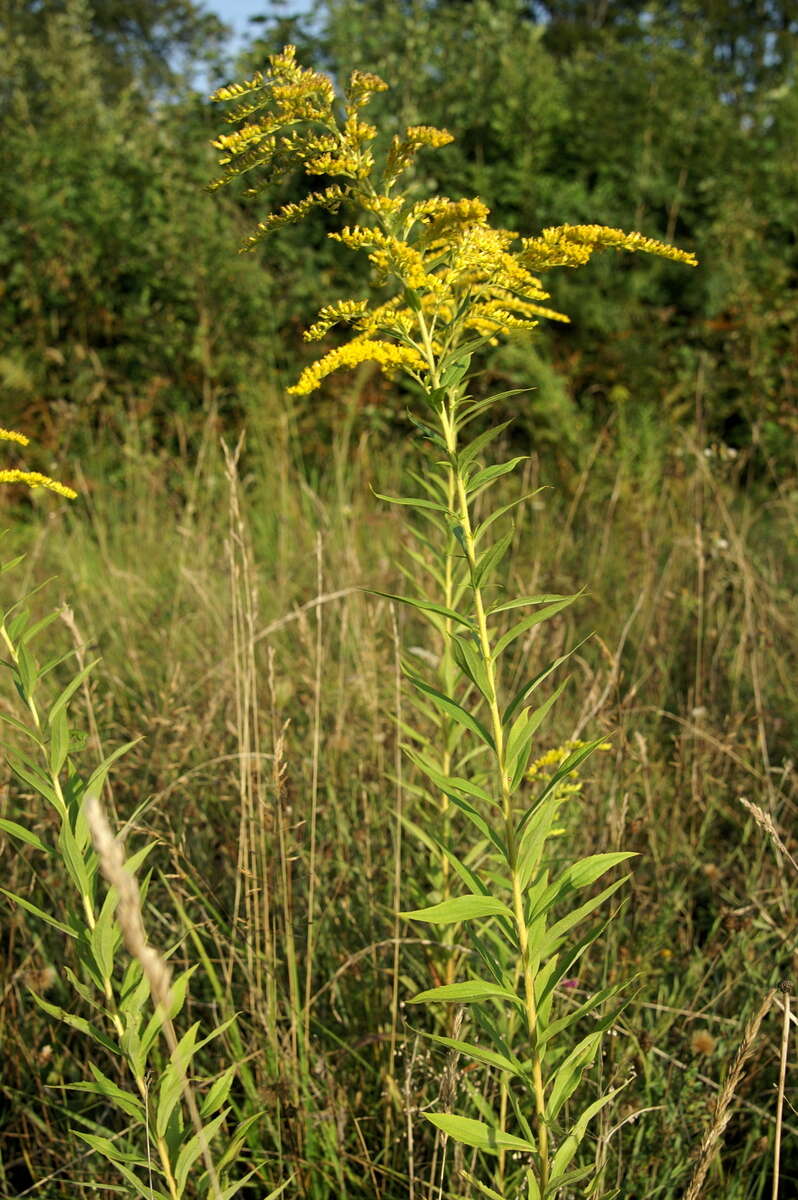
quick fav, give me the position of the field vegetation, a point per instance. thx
(226, 569)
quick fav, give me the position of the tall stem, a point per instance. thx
(448, 417)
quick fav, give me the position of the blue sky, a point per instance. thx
(236, 12)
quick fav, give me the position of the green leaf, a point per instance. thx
(469, 660)
(482, 1188)
(412, 502)
(43, 916)
(103, 1086)
(96, 781)
(31, 774)
(20, 728)
(489, 475)
(173, 1078)
(456, 372)
(497, 513)
(79, 1023)
(193, 1148)
(425, 606)
(59, 742)
(37, 627)
(569, 1073)
(526, 601)
(23, 835)
(69, 691)
(453, 709)
(463, 908)
(447, 783)
(532, 684)
(519, 740)
(555, 1028)
(177, 993)
(570, 1144)
(478, 444)
(469, 992)
(478, 1134)
(573, 761)
(489, 560)
(230, 1191)
(219, 1091)
(74, 860)
(479, 821)
(578, 875)
(481, 1054)
(111, 1150)
(529, 622)
(550, 941)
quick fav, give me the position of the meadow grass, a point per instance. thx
(153, 588)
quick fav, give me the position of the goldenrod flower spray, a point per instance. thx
(456, 284)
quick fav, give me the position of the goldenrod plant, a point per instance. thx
(31, 479)
(450, 285)
(173, 1120)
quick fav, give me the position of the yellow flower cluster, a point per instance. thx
(10, 435)
(574, 245)
(554, 758)
(362, 86)
(33, 479)
(358, 351)
(330, 198)
(390, 255)
(332, 314)
(403, 150)
(453, 272)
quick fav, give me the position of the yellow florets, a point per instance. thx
(34, 479)
(549, 762)
(10, 435)
(451, 271)
(359, 351)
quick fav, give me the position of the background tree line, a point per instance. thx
(119, 279)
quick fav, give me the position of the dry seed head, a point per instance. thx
(702, 1042)
(128, 910)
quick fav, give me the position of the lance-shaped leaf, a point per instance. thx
(454, 710)
(462, 908)
(482, 1188)
(543, 614)
(531, 684)
(425, 606)
(447, 783)
(489, 475)
(481, 1054)
(555, 1028)
(470, 991)
(578, 875)
(519, 740)
(43, 916)
(570, 1071)
(478, 444)
(21, 834)
(571, 763)
(488, 562)
(483, 528)
(478, 1134)
(413, 502)
(552, 938)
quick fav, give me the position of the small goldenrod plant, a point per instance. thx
(173, 1117)
(32, 479)
(451, 285)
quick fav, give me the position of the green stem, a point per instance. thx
(449, 425)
